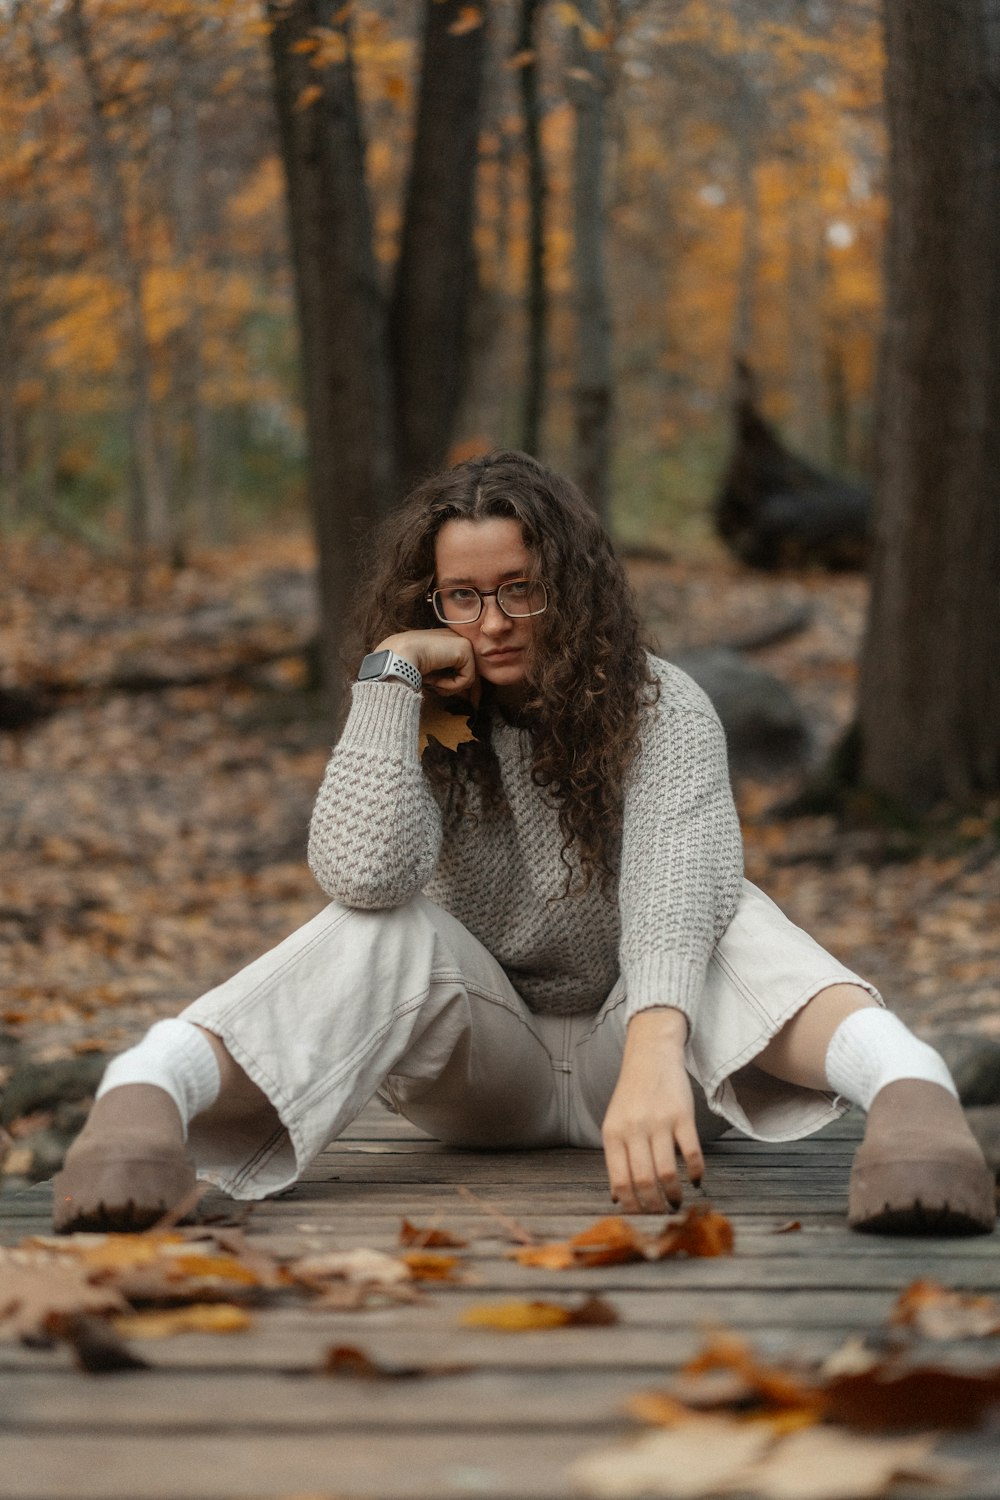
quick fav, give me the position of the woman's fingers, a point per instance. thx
(643, 1171)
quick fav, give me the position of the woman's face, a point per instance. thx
(483, 555)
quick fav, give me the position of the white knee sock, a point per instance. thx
(173, 1055)
(870, 1048)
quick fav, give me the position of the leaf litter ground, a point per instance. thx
(153, 842)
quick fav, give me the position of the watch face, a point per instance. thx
(373, 665)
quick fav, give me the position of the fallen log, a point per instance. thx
(777, 510)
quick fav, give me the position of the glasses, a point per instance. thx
(518, 599)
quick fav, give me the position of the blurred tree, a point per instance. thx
(589, 84)
(930, 681)
(380, 399)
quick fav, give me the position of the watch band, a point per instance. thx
(378, 665)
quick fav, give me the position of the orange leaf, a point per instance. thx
(422, 1239)
(308, 96)
(553, 1257)
(426, 1266)
(938, 1313)
(448, 726)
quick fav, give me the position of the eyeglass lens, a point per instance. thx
(520, 597)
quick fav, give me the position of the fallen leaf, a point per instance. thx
(890, 1396)
(199, 1317)
(36, 1286)
(938, 1313)
(791, 1226)
(523, 1317)
(349, 1360)
(424, 1239)
(444, 721)
(366, 1266)
(614, 1241)
(425, 1265)
(713, 1455)
(97, 1347)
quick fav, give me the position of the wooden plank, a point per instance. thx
(392, 1466)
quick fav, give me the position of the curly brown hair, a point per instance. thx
(587, 675)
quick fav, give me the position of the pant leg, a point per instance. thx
(355, 1000)
(761, 972)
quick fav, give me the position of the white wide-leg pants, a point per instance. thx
(407, 1003)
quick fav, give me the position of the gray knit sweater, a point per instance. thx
(377, 838)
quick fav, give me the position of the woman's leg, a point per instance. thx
(300, 1041)
(786, 1033)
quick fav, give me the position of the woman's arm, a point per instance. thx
(682, 867)
(375, 834)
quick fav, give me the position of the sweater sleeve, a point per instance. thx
(375, 834)
(682, 854)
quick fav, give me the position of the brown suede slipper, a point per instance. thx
(127, 1168)
(919, 1169)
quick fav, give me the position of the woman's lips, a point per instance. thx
(504, 655)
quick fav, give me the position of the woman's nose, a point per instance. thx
(493, 621)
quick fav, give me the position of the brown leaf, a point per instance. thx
(889, 1397)
(445, 722)
(35, 1286)
(424, 1265)
(938, 1313)
(349, 1360)
(423, 1239)
(97, 1347)
(367, 1267)
(614, 1241)
(791, 1226)
(727, 1373)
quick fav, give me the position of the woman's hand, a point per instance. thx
(444, 660)
(651, 1116)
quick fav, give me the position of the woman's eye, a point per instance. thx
(461, 596)
(519, 589)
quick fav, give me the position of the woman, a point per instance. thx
(541, 937)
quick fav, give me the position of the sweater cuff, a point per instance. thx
(385, 718)
(663, 979)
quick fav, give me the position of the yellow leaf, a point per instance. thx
(200, 1317)
(426, 1266)
(516, 1317)
(308, 96)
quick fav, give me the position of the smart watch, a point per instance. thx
(378, 665)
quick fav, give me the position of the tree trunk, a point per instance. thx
(112, 212)
(436, 268)
(341, 311)
(930, 682)
(534, 383)
(592, 397)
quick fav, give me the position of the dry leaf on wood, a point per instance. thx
(426, 1265)
(349, 1360)
(97, 1347)
(35, 1285)
(200, 1317)
(890, 1396)
(368, 1267)
(525, 1317)
(719, 1455)
(429, 1239)
(938, 1313)
(614, 1241)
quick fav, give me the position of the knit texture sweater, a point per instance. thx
(378, 837)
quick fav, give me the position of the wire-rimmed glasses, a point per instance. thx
(462, 605)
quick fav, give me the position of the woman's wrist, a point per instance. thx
(659, 1024)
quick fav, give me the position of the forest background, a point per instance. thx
(164, 739)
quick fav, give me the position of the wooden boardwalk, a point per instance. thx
(230, 1418)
